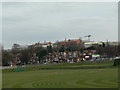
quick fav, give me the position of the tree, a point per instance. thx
(15, 46)
(49, 49)
(103, 44)
(62, 49)
(25, 57)
(91, 48)
(42, 53)
(6, 58)
(110, 51)
(81, 50)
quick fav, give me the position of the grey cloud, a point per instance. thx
(29, 22)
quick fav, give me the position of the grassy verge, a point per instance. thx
(61, 66)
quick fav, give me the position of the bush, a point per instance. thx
(116, 62)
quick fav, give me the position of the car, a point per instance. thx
(117, 58)
(71, 62)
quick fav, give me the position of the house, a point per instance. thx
(45, 45)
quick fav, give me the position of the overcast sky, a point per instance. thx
(27, 23)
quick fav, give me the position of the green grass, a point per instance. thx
(61, 66)
(63, 78)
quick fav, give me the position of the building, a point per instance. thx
(45, 45)
(111, 43)
(71, 42)
(92, 43)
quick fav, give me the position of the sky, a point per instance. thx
(26, 23)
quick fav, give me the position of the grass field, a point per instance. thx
(64, 78)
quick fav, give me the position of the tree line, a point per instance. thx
(25, 55)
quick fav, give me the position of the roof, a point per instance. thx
(93, 43)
